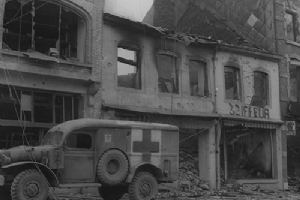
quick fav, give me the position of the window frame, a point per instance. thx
(82, 42)
(294, 23)
(79, 149)
(177, 70)
(130, 47)
(268, 92)
(207, 89)
(239, 82)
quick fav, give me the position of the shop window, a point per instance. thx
(79, 141)
(9, 103)
(261, 89)
(43, 27)
(167, 74)
(232, 83)
(248, 153)
(291, 25)
(294, 83)
(43, 107)
(128, 68)
(198, 78)
(43, 104)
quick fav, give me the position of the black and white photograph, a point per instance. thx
(150, 100)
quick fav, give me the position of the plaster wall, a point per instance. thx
(247, 66)
(148, 98)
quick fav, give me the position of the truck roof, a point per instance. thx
(69, 126)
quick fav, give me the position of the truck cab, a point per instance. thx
(118, 156)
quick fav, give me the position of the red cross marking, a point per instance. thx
(146, 146)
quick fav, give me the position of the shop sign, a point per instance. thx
(289, 128)
(249, 111)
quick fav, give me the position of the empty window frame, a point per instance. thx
(198, 78)
(167, 74)
(42, 26)
(232, 83)
(43, 107)
(294, 83)
(261, 89)
(128, 68)
(291, 25)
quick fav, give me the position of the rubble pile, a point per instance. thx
(189, 183)
(294, 183)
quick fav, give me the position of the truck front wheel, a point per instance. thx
(143, 187)
(29, 185)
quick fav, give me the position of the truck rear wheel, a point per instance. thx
(143, 187)
(112, 168)
(29, 185)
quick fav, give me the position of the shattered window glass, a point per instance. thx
(249, 153)
(261, 89)
(198, 78)
(167, 74)
(290, 26)
(232, 83)
(44, 29)
(294, 86)
(128, 68)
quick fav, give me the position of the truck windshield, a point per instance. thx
(52, 138)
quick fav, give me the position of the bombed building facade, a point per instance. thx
(223, 96)
(49, 65)
(64, 59)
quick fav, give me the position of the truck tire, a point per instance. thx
(113, 168)
(112, 192)
(143, 187)
(29, 185)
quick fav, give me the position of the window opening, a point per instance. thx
(247, 153)
(232, 83)
(43, 107)
(295, 83)
(79, 141)
(198, 78)
(291, 30)
(167, 74)
(128, 68)
(43, 27)
(261, 89)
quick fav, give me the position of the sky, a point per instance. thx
(132, 9)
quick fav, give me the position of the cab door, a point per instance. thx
(79, 166)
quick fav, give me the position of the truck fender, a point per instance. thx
(47, 172)
(156, 171)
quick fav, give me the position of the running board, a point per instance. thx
(79, 185)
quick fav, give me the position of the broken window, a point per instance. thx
(232, 83)
(290, 22)
(248, 153)
(295, 83)
(128, 68)
(43, 107)
(44, 27)
(9, 104)
(167, 74)
(261, 89)
(198, 78)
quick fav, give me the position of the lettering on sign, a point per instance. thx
(289, 128)
(249, 111)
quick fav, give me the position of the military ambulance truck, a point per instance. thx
(116, 156)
